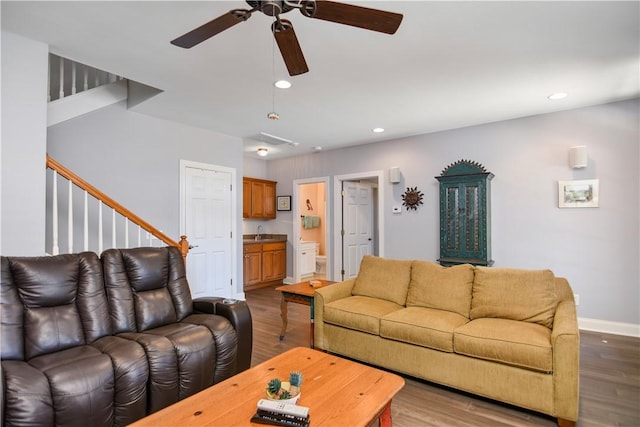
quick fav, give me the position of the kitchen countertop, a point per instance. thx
(249, 239)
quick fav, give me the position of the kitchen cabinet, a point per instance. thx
(274, 261)
(465, 214)
(252, 264)
(258, 198)
(264, 264)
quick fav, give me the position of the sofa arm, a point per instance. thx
(238, 313)
(324, 296)
(565, 341)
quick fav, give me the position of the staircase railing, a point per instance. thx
(67, 77)
(121, 218)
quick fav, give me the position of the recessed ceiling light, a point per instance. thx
(558, 95)
(316, 148)
(282, 84)
(378, 130)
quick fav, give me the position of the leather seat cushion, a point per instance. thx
(360, 313)
(82, 385)
(522, 344)
(426, 327)
(196, 355)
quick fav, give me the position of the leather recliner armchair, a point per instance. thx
(105, 343)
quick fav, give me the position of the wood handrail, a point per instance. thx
(183, 244)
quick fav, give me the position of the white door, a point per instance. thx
(357, 223)
(208, 226)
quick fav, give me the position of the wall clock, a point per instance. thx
(412, 198)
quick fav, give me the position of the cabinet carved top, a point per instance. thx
(464, 167)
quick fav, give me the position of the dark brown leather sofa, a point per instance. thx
(105, 341)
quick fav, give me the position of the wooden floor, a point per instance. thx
(609, 378)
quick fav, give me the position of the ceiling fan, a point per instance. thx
(356, 16)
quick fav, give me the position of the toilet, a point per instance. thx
(321, 261)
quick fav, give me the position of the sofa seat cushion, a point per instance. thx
(359, 313)
(516, 294)
(522, 344)
(426, 327)
(383, 278)
(82, 385)
(444, 288)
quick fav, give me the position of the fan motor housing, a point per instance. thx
(270, 7)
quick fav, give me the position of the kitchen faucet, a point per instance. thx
(259, 232)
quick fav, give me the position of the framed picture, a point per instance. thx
(283, 203)
(578, 194)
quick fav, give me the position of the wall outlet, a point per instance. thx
(576, 297)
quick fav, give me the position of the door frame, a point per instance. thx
(337, 203)
(184, 164)
(297, 223)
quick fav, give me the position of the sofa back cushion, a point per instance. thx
(51, 304)
(383, 278)
(443, 288)
(147, 287)
(526, 295)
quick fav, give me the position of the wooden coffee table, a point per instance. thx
(301, 293)
(337, 391)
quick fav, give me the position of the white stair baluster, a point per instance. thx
(85, 85)
(70, 219)
(49, 80)
(54, 216)
(97, 78)
(100, 228)
(126, 232)
(113, 228)
(139, 236)
(73, 78)
(86, 221)
(61, 92)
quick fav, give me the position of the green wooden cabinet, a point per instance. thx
(465, 214)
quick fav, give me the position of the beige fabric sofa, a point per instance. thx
(506, 334)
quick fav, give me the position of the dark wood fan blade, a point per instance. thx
(357, 16)
(290, 49)
(211, 28)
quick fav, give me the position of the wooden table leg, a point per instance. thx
(283, 314)
(385, 416)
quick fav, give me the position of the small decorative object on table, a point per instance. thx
(285, 391)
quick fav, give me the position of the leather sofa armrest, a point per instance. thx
(206, 305)
(238, 313)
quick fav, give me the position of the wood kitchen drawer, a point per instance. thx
(275, 246)
(252, 248)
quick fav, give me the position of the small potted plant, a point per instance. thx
(285, 391)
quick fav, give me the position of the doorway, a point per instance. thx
(207, 218)
(358, 201)
(311, 229)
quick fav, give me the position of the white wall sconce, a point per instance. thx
(578, 157)
(262, 152)
(394, 175)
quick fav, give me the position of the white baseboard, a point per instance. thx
(288, 280)
(606, 326)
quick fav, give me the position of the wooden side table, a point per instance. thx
(301, 293)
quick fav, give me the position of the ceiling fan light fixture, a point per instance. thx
(262, 152)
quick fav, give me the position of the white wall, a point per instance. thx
(135, 159)
(597, 249)
(22, 153)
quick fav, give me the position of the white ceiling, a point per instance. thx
(451, 64)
